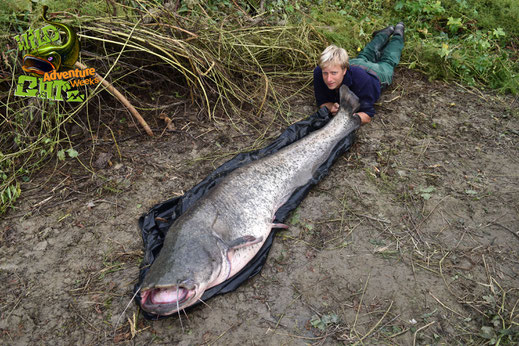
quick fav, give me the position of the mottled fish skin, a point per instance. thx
(223, 231)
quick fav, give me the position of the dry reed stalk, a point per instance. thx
(228, 63)
(122, 99)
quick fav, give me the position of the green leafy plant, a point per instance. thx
(425, 192)
(324, 321)
(454, 24)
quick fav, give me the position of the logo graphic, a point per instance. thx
(49, 64)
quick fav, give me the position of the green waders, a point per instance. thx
(380, 57)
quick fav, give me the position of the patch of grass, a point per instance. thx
(473, 41)
(498, 317)
(323, 322)
(296, 220)
(457, 40)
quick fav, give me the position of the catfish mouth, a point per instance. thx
(167, 300)
(34, 64)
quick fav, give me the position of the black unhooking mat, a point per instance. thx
(155, 224)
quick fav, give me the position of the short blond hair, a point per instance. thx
(333, 55)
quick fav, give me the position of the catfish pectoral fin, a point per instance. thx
(279, 225)
(244, 241)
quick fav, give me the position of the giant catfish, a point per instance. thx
(221, 232)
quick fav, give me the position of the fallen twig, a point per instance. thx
(446, 307)
(360, 303)
(121, 98)
(376, 325)
(419, 329)
(516, 234)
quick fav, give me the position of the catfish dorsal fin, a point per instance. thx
(349, 101)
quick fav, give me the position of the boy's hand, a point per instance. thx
(364, 117)
(332, 107)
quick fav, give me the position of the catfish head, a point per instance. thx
(184, 269)
(197, 254)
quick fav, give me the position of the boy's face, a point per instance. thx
(333, 75)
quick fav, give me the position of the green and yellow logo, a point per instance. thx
(49, 64)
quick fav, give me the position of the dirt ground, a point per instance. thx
(411, 239)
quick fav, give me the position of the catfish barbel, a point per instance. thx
(217, 236)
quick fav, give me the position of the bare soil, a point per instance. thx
(412, 238)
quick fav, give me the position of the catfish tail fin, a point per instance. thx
(349, 101)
